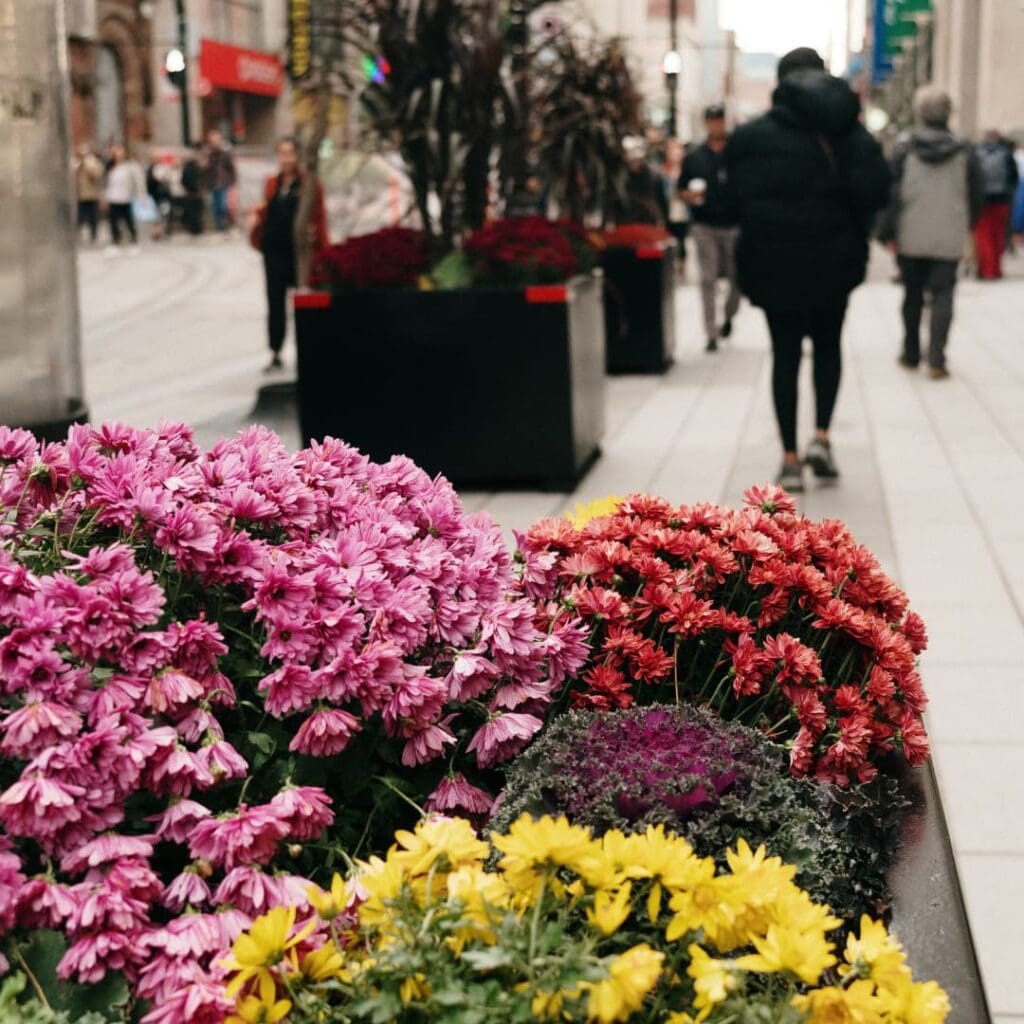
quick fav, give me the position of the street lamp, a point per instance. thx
(671, 65)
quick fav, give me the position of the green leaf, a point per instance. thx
(488, 959)
(108, 998)
(263, 742)
(453, 272)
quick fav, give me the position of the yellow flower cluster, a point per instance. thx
(594, 510)
(722, 929)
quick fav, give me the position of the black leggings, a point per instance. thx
(280, 272)
(121, 213)
(788, 330)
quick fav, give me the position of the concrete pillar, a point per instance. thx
(40, 347)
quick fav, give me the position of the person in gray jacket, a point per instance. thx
(937, 197)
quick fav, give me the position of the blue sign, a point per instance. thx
(881, 65)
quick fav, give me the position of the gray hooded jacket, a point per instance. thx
(937, 197)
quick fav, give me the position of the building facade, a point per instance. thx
(970, 48)
(707, 55)
(110, 55)
(121, 92)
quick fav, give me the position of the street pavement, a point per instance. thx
(933, 482)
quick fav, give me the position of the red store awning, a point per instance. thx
(231, 67)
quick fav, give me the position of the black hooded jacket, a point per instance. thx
(808, 180)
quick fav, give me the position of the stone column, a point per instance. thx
(40, 345)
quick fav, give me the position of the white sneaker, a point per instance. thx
(111, 251)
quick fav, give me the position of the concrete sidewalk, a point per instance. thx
(933, 482)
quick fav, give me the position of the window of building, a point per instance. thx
(238, 22)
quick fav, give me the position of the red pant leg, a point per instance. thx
(990, 239)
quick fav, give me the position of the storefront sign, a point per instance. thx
(231, 67)
(300, 39)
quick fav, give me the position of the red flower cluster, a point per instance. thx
(628, 236)
(392, 258)
(528, 250)
(763, 615)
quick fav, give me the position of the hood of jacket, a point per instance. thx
(935, 145)
(817, 102)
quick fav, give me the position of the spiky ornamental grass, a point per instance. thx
(713, 782)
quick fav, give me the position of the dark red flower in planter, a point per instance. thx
(392, 258)
(629, 236)
(528, 250)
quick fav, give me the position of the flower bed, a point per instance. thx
(225, 674)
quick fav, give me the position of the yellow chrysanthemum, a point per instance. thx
(856, 1004)
(803, 953)
(631, 977)
(329, 904)
(875, 954)
(483, 895)
(452, 839)
(324, 963)
(712, 980)
(610, 910)
(915, 1003)
(413, 988)
(251, 1010)
(594, 510)
(263, 946)
(532, 847)
(381, 882)
(705, 904)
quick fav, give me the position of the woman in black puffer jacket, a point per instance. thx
(808, 179)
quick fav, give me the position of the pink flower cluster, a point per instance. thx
(184, 634)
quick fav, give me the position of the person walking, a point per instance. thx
(221, 178)
(641, 198)
(158, 186)
(704, 186)
(88, 169)
(125, 184)
(192, 174)
(999, 171)
(678, 225)
(937, 197)
(273, 234)
(809, 180)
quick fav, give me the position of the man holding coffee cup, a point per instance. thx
(704, 187)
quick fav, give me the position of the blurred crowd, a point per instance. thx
(185, 191)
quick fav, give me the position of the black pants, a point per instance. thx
(788, 330)
(279, 268)
(939, 278)
(121, 213)
(89, 213)
(192, 213)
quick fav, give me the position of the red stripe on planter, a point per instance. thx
(312, 300)
(547, 293)
(649, 252)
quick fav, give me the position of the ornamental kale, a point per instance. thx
(714, 783)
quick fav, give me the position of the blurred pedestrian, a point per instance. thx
(193, 173)
(273, 234)
(999, 172)
(704, 186)
(678, 224)
(1017, 215)
(125, 184)
(809, 180)
(158, 185)
(641, 198)
(221, 177)
(88, 169)
(937, 197)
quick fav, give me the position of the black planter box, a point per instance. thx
(928, 913)
(491, 386)
(639, 306)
